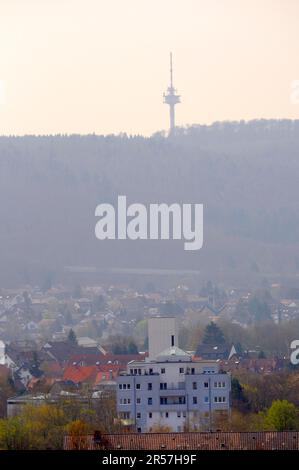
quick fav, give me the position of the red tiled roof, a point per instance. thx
(90, 374)
(269, 440)
(79, 374)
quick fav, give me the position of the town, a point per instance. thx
(116, 359)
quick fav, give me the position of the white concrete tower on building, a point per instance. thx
(162, 335)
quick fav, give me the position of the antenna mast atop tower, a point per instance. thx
(171, 98)
(171, 84)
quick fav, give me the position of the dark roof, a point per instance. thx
(23, 345)
(65, 385)
(210, 307)
(269, 440)
(63, 350)
(103, 359)
(25, 357)
(35, 371)
(255, 364)
(220, 351)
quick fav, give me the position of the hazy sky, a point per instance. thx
(102, 65)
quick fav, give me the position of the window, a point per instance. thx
(163, 370)
(181, 370)
(206, 399)
(172, 340)
(178, 414)
(138, 387)
(223, 399)
(192, 371)
(194, 400)
(150, 415)
(149, 386)
(150, 371)
(120, 386)
(166, 414)
(138, 415)
(138, 401)
(138, 429)
(128, 386)
(163, 401)
(163, 386)
(125, 401)
(194, 386)
(124, 386)
(219, 384)
(206, 385)
(131, 371)
(150, 401)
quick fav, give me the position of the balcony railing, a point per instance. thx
(173, 406)
(174, 386)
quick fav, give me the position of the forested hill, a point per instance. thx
(245, 174)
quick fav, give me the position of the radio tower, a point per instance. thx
(171, 98)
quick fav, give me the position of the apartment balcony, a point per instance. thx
(174, 406)
(172, 392)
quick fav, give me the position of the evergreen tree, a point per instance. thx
(238, 391)
(72, 337)
(213, 335)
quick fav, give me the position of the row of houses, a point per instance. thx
(58, 368)
(191, 441)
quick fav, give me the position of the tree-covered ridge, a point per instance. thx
(245, 174)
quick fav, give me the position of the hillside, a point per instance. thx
(245, 174)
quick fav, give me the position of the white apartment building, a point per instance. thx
(169, 388)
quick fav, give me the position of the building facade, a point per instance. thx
(172, 390)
